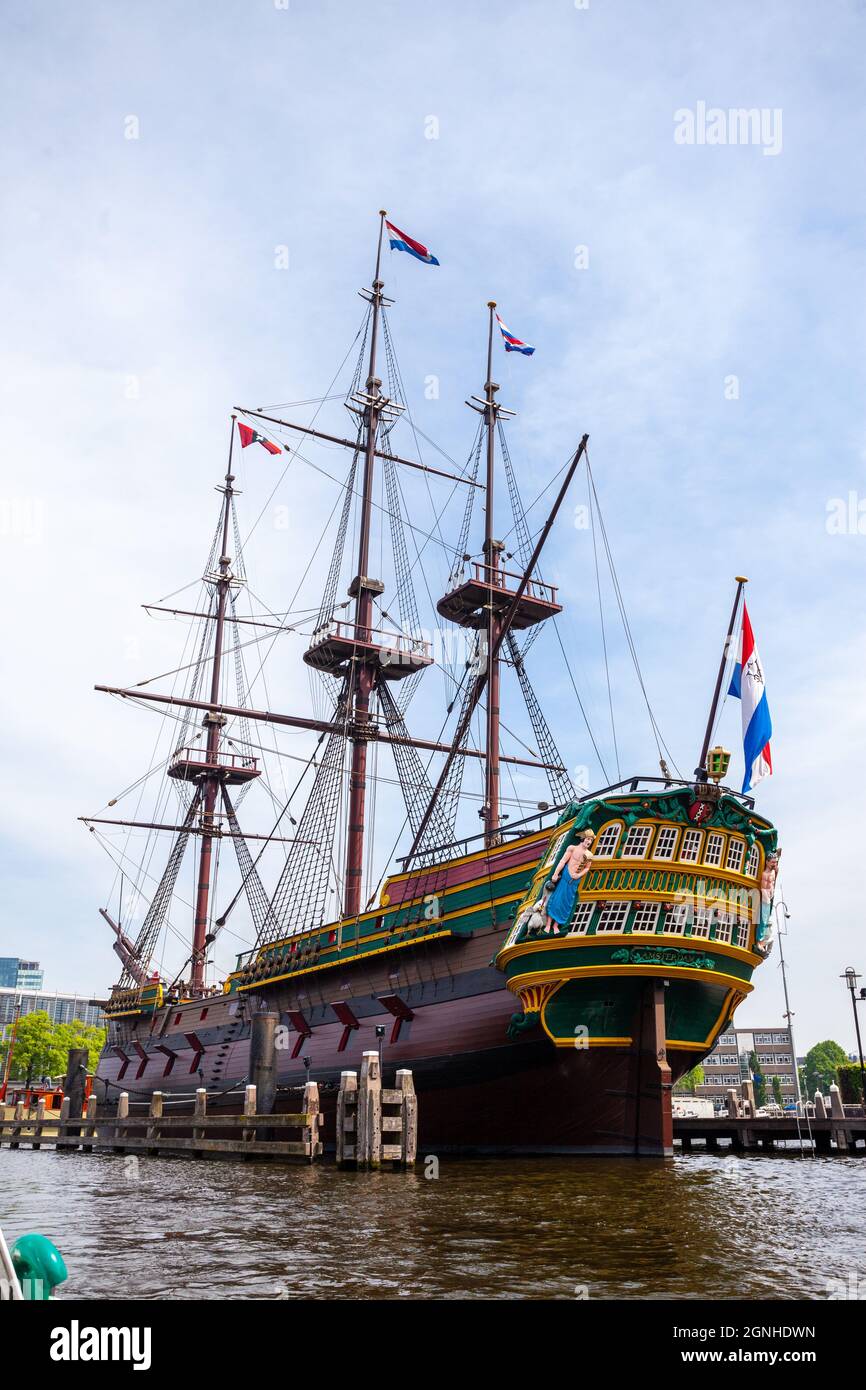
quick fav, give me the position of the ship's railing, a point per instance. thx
(515, 829)
(498, 579)
(198, 757)
(400, 643)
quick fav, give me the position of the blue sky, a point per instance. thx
(142, 300)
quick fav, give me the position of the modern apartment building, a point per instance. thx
(728, 1063)
(61, 1008)
(20, 974)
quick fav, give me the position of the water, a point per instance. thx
(697, 1226)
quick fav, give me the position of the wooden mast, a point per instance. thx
(701, 769)
(362, 589)
(492, 549)
(214, 723)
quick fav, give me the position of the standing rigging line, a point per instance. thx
(601, 621)
(657, 734)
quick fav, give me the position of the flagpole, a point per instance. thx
(701, 769)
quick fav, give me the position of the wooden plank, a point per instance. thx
(392, 1152)
(392, 1124)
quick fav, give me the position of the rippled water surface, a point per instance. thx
(696, 1226)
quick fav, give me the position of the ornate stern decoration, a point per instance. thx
(533, 998)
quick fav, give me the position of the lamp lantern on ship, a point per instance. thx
(718, 762)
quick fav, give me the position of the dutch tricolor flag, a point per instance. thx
(512, 343)
(400, 241)
(747, 685)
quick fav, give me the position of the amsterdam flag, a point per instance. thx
(249, 436)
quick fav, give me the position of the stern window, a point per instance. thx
(736, 850)
(666, 843)
(713, 852)
(637, 842)
(607, 842)
(691, 846)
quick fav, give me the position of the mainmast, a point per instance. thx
(492, 550)
(214, 723)
(362, 590)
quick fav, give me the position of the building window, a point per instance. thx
(736, 850)
(752, 862)
(675, 922)
(713, 851)
(607, 842)
(637, 842)
(781, 1038)
(582, 919)
(691, 847)
(666, 843)
(646, 917)
(613, 917)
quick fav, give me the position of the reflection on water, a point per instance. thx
(696, 1226)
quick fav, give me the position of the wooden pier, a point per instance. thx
(375, 1125)
(752, 1134)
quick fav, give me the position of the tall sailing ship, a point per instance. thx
(524, 1033)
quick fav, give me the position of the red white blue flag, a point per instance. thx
(747, 685)
(401, 241)
(513, 343)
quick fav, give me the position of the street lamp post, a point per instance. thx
(851, 977)
(783, 907)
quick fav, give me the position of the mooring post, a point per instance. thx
(347, 1117)
(820, 1107)
(248, 1133)
(76, 1076)
(18, 1114)
(837, 1112)
(409, 1116)
(40, 1121)
(62, 1140)
(263, 1060)
(122, 1115)
(155, 1117)
(198, 1132)
(733, 1105)
(311, 1107)
(368, 1136)
(89, 1130)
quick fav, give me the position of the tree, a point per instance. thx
(691, 1080)
(41, 1046)
(760, 1083)
(821, 1063)
(777, 1092)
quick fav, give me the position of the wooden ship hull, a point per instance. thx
(519, 1043)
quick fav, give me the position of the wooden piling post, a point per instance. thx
(263, 1060)
(155, 1117)
(63, 1121)
(368, 1138)
(837, 1112)
(347, 1118)
(122, 1114)
(733, 1105)
(409, 1115)
(200, 1111)
(820, 1107)
(89, 1131)
(18, 1114)
(40, 1120)
(76, 1076)
(248, 1134)
(310, 1133)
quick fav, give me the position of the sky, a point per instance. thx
(189, 208)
